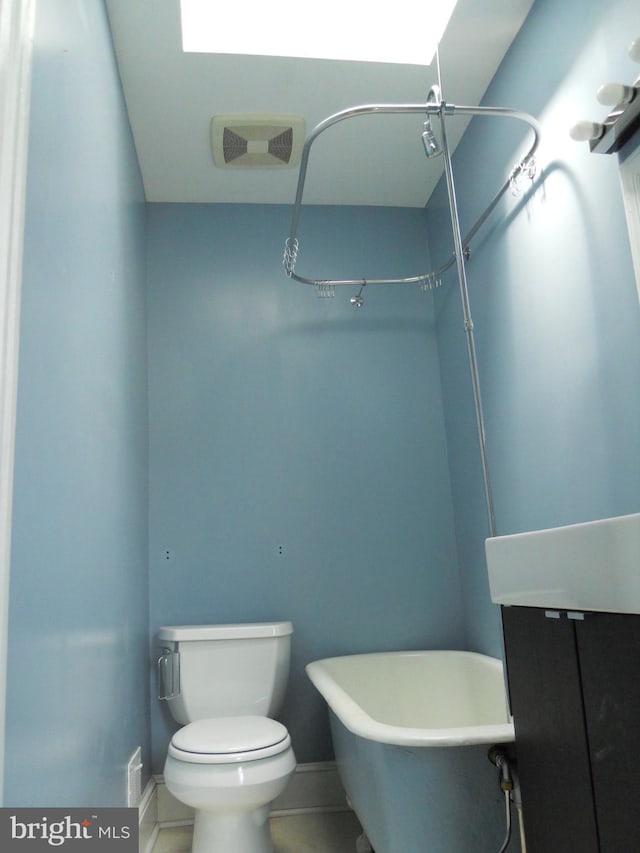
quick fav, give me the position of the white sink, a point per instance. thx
(589, 566)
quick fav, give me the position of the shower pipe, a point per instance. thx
(433, 106)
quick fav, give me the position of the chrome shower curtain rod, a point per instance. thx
(433, 106)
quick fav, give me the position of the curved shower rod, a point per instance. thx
(433, 106)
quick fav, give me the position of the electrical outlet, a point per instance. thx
(134, 778)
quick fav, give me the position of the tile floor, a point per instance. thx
(334, 832)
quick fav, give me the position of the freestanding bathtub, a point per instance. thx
(411, 731)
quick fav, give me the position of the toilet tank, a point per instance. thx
(225, 670)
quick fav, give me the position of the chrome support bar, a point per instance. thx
(459, 255)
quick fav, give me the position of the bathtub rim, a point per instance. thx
(360, 723)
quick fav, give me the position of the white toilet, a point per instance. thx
(230, 761)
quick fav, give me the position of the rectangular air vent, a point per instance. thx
(257, 141)
(134, 778)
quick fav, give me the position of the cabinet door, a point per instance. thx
(609, 651)
(552, 749)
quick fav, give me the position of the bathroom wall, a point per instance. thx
(554, 302)
(78, 651)
(298, 458)
(298, 462)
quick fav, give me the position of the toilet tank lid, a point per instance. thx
(237, 631)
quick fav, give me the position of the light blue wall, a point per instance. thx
(280, 420)
(78, 649)
(554, 302)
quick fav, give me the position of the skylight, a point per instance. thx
(336, 29)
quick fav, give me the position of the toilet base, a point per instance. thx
(245, 832)
(231, 801)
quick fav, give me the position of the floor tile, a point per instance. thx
(322, 833)
(174, 840)
(335, 832)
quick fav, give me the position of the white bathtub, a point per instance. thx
(411, 732)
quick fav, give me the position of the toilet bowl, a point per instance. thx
(229, 770)
(227, 766)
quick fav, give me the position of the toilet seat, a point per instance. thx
(228, 740)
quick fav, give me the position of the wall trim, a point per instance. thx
(148, 827)
(16, 48)
(314, 788)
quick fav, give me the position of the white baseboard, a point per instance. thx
(314, 787)
(148, 825)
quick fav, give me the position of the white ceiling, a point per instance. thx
(371, 160)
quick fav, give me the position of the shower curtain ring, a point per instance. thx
(358, 300)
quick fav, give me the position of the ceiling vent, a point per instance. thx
(256, 141)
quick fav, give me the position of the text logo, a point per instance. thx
(29, 830)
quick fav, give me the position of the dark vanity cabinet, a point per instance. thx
(574, 685)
